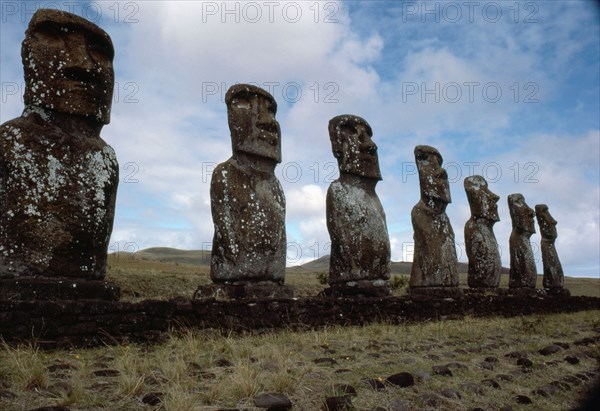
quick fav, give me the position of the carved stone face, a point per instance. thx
(353, 147)
(251, 115)
(68, 65)
(433, 179)
(521, 214)
(482, 201)
(546, 222)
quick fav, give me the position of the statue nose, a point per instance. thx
(79, 55)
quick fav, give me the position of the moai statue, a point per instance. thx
(553, 272)
(434, 267)
(480, 241)
(58, 178)
(523, 273)
(248, 204)
(360, 245)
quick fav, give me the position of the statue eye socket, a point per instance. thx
(99, 51)
(241, 103)
(49, 35)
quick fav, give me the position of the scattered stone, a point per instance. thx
(571, 379)
(504, 377)
(107, 373)
(342, 370)
(60, 367)
(561, 385)
(273, 402)
(525, 362)
(491, 359)
(491, 383)
(451, 393)
(223, 363)
(325, 360)
(401, 405)
(547, 390)
(345, 389)
(473, 388)
(152, 398)
(551, 349)
(482, 248)
(343, 403)
(433, 357)
(523, 399)
(7, 394)
(516, 354)
(505, 407)
(563, 345)
(403, 379)
(431, 399)
(487, 366)
(585, 341)
(457, 365)
(442, 370)
(476, 409)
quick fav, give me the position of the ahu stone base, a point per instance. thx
(36, 288)
(83, 323)
(436, 292)
(363, 288)
(241, 291)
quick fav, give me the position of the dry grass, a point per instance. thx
(196, 369)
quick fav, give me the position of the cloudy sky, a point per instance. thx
(508, 90)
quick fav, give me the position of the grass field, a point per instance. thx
(204, 370)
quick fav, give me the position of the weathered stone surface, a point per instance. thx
(481, 245)
(273, 401)
(402, 379)
(554, 278)
(58, 178)
(89, 323)
(523, 273)
(360, 245)
(247, 200)
(434, 261)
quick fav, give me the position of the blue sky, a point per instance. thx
(508, 90)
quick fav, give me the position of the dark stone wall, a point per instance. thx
(89, 323)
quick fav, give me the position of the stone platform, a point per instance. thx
(90, 323)
(35, 288)
(237, 291)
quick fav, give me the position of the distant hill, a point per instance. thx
(172, 255)
(202, 257)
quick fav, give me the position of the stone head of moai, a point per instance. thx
(251, 116)
(433, 178)
(483, 203)
(68, 64)
(521, 215)
(353, 147)
(546, 223)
